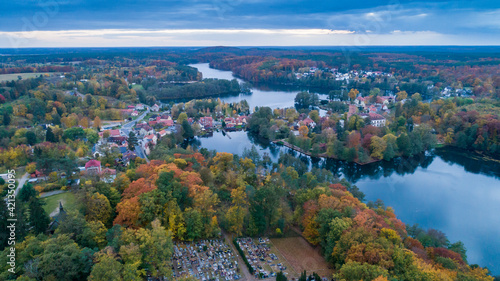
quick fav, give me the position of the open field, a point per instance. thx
(14, 76)
(301, 256)
(137, 87)
(67, 199)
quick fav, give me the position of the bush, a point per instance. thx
(446, 263)
(51, 186)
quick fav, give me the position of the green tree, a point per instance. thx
(107, 267)
(63, 260)
(31, 138)
(6, 119)
(404, 145)
(132, 141)
(194, 224)
(183, 116)
(354, 271)
(50, 137)
(27, 192)
(187, 130)
(38, 218)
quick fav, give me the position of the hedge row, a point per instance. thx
(240, 251)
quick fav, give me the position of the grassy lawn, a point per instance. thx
(137, 87)
(13, 76)
(67, 198)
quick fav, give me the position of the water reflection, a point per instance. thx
(449, 190)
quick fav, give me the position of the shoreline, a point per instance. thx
(323, 155)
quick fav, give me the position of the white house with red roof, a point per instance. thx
(155, 107)
(206, 122)
(112, 133)
(93, 167)
(376, 119)
(308, 122)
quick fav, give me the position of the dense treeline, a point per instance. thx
(205, 88)
(38, 68)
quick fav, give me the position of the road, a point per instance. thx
(22, 181)
(127, 127)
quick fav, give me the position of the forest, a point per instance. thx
(125, 229)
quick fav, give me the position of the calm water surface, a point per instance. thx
(447, 190)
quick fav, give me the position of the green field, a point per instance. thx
(137, 87)
(52, 202)
(14, 76)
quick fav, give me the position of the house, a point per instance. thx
(127, 111)
(376, 120)
(206, 122)
(230, 122)
(166, 122)
(130, 107)
(112, 133)
(108, 175)
(152, 137)
(128, 156)
(155, 107)
(93, 167)
(360, 101)
(140, 106)
(118, 140)
(164, 133)
(241, 120)
(135, 113)
(308, 122)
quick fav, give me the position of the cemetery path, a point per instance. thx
(244, 270)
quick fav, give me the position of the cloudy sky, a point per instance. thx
(104, 23)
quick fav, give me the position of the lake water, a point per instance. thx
(445, 190)
(259, 97)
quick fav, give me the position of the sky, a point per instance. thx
(109, 23)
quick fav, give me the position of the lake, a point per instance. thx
(448, 190)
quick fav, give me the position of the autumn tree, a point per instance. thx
(303, 131)
(402, 95)
(353, 93)
(236, 214)
(97, 122)
(98, 208)
(377, 146)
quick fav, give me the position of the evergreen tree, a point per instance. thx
(39, 219)
(280, 276)
(187, 130)
(6, 119)
(31, 138)
(50, 137)
(27, 192)
(303, 276)
(132, 141)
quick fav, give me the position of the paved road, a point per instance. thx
(127, 127)
(22, 181)
(50, 193)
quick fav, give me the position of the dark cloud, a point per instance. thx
(449, 17)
